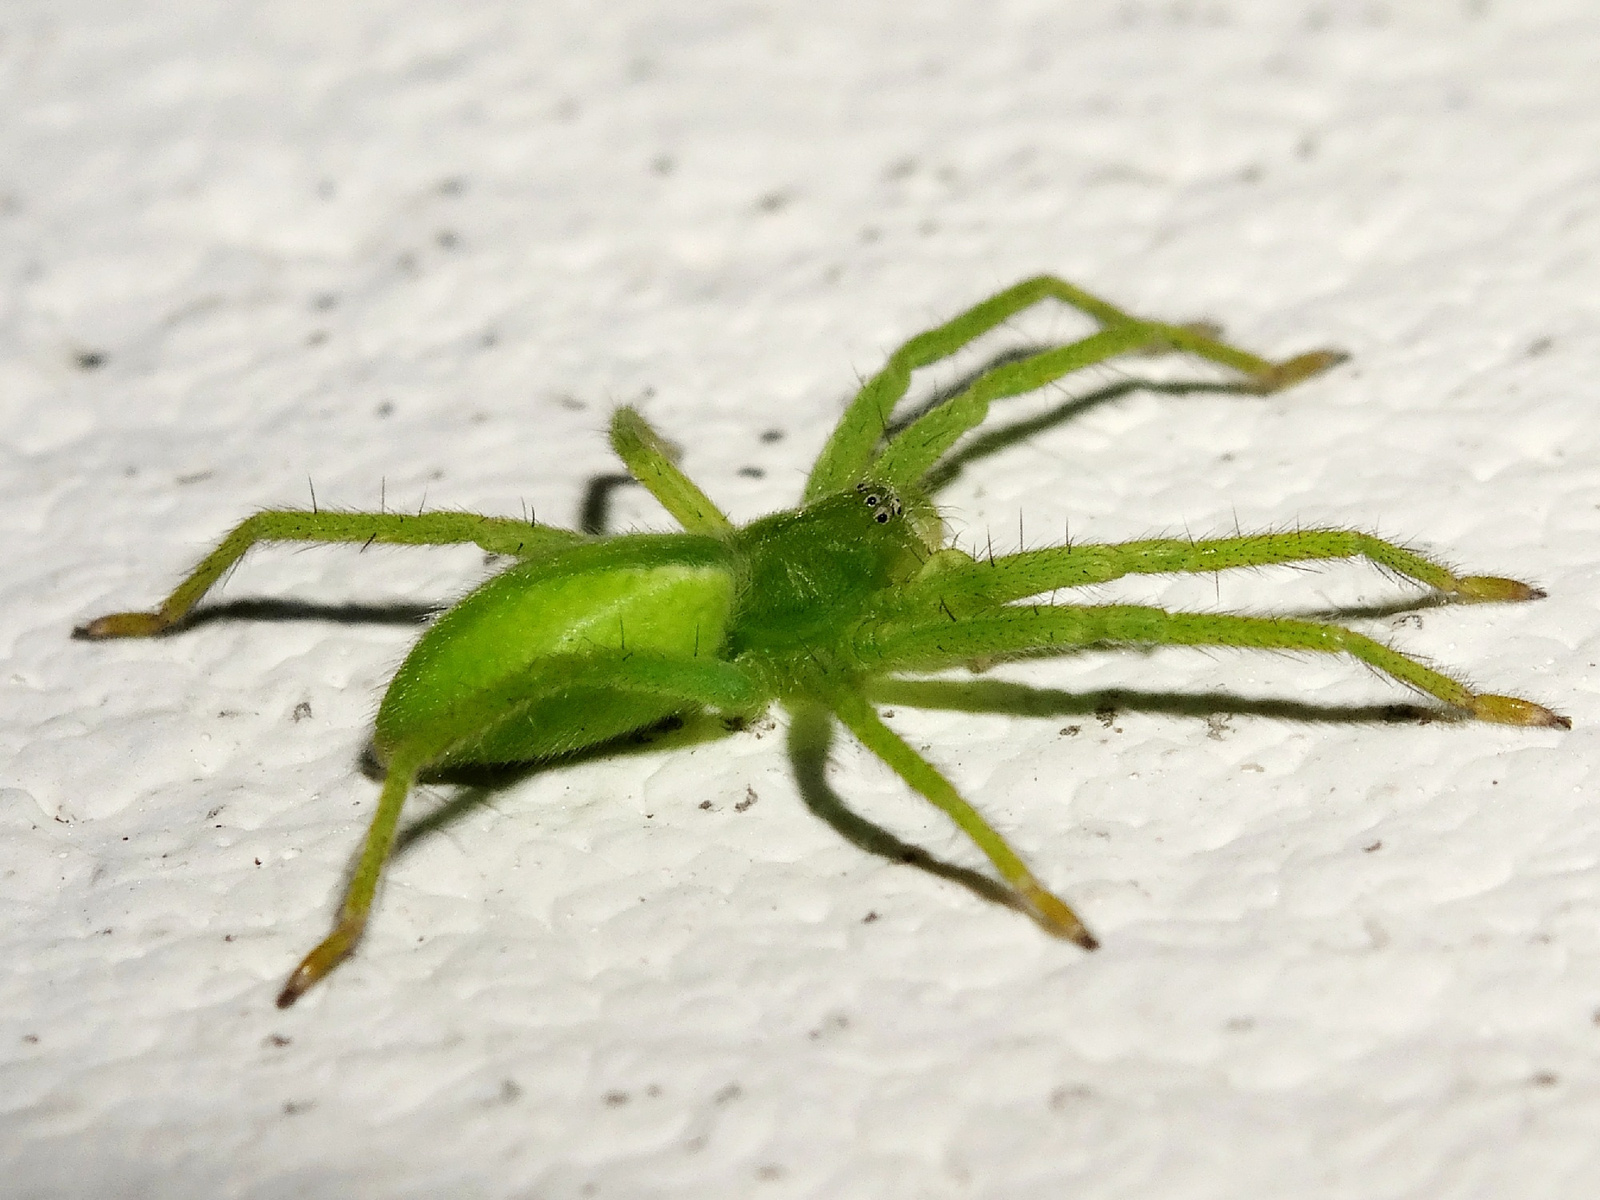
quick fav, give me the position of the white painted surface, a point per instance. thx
(423, 248)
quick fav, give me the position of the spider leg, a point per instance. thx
(810, 744)
(363, 886)
(855, 439)
(912, 452)
(1037, 630)
(974, 584)
(694, 683)
(649, 459)
(498, 535)
(1049, 910)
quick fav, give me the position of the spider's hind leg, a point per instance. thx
(498, 535)
(685, 684)
(357, 903)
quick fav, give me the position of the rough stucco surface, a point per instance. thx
(421, 249)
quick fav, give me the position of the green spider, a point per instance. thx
(584, 640)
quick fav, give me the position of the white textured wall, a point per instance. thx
(423, 248)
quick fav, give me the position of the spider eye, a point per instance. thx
(885, 505)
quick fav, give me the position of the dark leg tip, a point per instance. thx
(120, 625)
(290, 992)
(1301, 367)
(1512, 710)
(1494, 589)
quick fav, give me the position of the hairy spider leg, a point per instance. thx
(698, 683)
(363, 886)
(854, 441)
(935, 642)
(649, 459)
(961, 584)
(498, 535)
(912, 452)
(810, 745)
(1050, 911)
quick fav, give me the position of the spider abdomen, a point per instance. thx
(565, 620)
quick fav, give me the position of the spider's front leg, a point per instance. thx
(520, 539)
(966, 585)
(1036, 630)
(1048, 909)
(851, 448)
